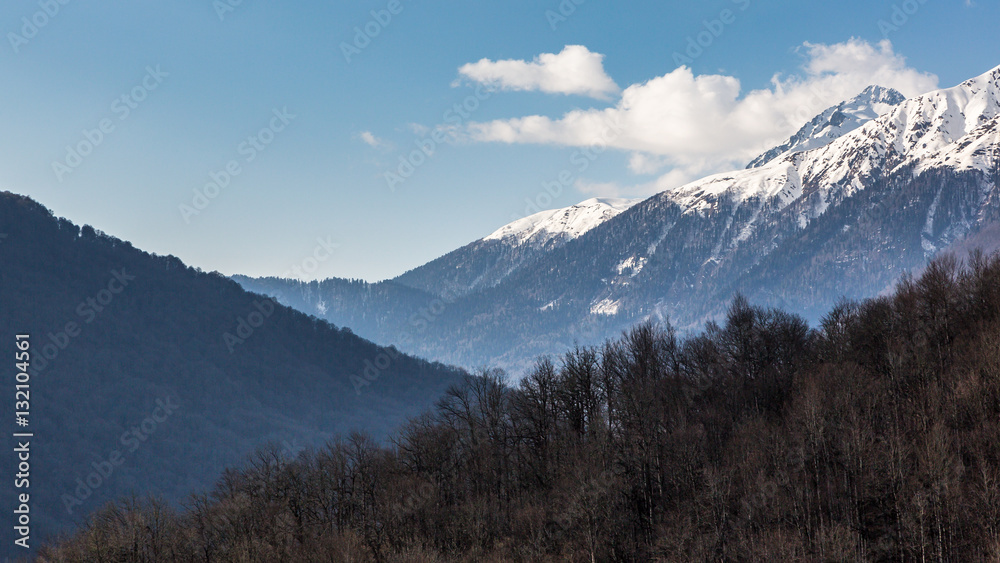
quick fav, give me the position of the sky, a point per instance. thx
(361, 139)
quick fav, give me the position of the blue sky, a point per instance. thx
(186, 89)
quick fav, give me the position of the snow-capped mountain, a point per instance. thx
(946, 128)
(377, 310)
(488, 261)
(835, 122)
(561, 224)
(843, 219)
(846, 218)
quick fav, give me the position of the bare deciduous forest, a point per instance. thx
(874, 437)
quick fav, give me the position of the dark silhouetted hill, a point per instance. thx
(151, 376)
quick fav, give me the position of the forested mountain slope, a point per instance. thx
(170, 374)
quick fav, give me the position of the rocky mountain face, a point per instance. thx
(842, 210)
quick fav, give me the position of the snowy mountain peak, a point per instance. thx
(955, 128)
(565, 224)
(875, 94)
(985, 79)
(835, 122)
(489, 261)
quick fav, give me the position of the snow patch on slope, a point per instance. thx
(632, 264)
(606, 307)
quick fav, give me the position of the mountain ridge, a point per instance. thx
(846, 219)
(835, 122)
(488, 261)
(116, 333)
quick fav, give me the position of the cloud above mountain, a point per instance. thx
(575, 70)
(685, 125)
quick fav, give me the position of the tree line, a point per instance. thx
(873, 437)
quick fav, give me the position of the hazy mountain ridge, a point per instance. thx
(370, 310)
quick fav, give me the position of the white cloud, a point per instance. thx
(371, 140)
(419, 129)
(698, 125)
(645, 163)
(573, 71)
